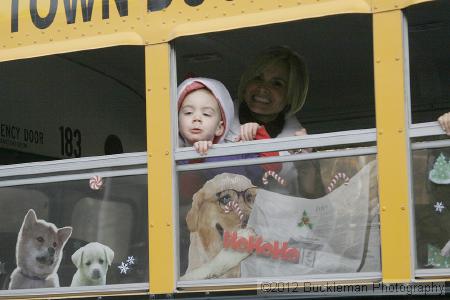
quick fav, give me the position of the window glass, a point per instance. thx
(429, 55)
(429, 48)
(72, 105)
(84, 232)
(431, 179)
(275, 212)
(271, 223)
(340, 94)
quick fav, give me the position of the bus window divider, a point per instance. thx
(110, 289)
(74, 164)
(425, 129)
(431, 144)
(432, 272)
(72, 177)
(280, 144)
(368, 277)
(275, 159)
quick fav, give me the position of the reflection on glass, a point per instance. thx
(431, 175)
(308, 217)
(75, 233)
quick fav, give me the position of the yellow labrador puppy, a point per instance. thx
(92, 262)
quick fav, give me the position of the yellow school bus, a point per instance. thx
(98, 197)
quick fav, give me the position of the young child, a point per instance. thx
(205, 112)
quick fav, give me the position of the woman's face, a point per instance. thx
(265, 94)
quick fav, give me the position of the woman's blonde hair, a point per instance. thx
(298, 79)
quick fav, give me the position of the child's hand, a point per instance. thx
(300, 132)
(248, 132)
(202, 147)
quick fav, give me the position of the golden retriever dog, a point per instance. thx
(223, 204)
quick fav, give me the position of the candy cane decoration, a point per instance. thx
(234, 206)
(96, 182)
(278, 178)
(335, 179)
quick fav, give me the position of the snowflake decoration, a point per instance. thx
(439, 206)
(123, 268)
(131, 260)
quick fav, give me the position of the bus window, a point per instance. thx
(429, 46)
(252, 209)
(72, 105)
(275, 208)
(429, 60)
(340, 94)
(430, 190)
(84, 228)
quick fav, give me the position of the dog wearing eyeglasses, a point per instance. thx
(223, 204)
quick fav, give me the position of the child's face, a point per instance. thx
(199, 117)
(265, 94)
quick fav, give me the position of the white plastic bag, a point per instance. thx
(330, 232)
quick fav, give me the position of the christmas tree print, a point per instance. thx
(436, 259)
(440, 174)
(305, 221)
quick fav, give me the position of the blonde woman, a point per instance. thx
(272, 89)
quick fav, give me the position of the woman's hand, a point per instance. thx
(300, 132)
(202, 147)
(248, 132)
(444, 121)
(308, 172)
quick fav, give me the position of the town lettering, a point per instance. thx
(257, 245)
(70, 8)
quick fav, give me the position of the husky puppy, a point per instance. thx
(38, 253)
(92, 262)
